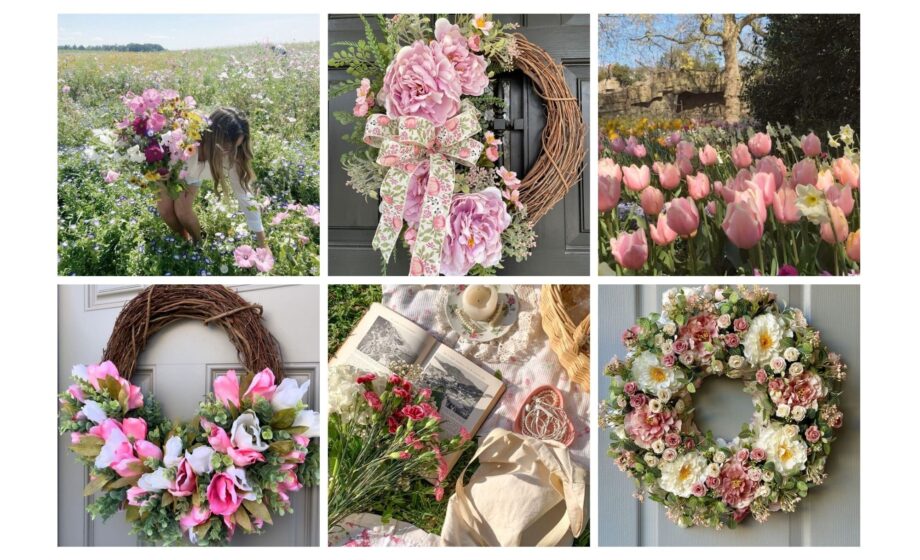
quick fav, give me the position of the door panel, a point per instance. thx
(178, 366)
(830, 513)
(563, 234)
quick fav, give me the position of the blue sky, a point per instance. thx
(186, 31)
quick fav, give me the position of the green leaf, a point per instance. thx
(258, 510)
(132, 514)
(242, 518)
(96, 484)
(281, 447)
(122, 482)
(88, 446)
(283, 418)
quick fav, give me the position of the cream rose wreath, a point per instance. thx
(792, 377)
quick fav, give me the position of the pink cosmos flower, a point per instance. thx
(111, 176)
(421, 81)
(609, 178)
(244, 256)
(152, 98)
(227, 389)
(224, 496)
(474, 230)
(630, 249)
(470, 68)
(514, 197)
(508, 177)
(155, 122)
(645, 426)
(482, 23)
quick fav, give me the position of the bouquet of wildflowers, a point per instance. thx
(160, 132)
(232, 467)
(383, 432)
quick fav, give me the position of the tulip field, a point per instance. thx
(109, 226)
(685, 198)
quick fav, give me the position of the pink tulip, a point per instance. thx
(685, 150)
(804, 173)
(683, 217)
(223, 495)
(711, 208)
(609, 178)
(651, 200)
(185, 483)
(774, 166)
(218, 439)
(685, 165)
(698, 185)
(227, 389)
(668, 175)
(195, 517)
(618, 145)
(637, 178)
(263, 385)
(147, 450)
(134, 428)
(766, 184)
(846, 172)
(630, 249)
(661, 233)
(760, 144)
(811, 145)
(836, 229)
(741, 156)
(640, 151)
(742, 225)
(825, 180)
(784, 209)
(708, 155)
(244, 457)
(841, 197)
(852, 246)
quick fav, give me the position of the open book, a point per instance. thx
(466, 392)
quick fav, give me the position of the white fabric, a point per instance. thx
(368, 529)
(523, 357)
(199, 171)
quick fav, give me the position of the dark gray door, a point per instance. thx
(563, 235)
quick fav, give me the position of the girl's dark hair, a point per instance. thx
(218, 144)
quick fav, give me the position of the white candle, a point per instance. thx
(480, 302)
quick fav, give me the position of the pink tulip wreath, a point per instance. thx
(742, 334)
(421, 116)
(231, 468)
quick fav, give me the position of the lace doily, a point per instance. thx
(523, 340)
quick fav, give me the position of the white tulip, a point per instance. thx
(93, 411)
(172, 452)
(288, 394)
(107, 453)
(309, 419)
(79, 372)
(155, 481)
(200, 459)
(246, 433)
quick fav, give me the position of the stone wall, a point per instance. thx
(665, 93)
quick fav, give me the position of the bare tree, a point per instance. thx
(724, 32)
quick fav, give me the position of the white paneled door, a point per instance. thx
(178, 367)
(829, 516)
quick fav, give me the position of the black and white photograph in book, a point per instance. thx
(457, 392)
(384, 344)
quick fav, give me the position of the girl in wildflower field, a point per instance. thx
(225, 156)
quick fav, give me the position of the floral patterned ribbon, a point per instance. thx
(405, 143)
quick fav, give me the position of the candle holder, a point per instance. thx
(481, 313)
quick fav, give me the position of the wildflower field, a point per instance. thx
(108, 226)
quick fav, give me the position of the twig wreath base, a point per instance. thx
(742, 334)
(231, 468)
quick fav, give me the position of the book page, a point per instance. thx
(382, 338)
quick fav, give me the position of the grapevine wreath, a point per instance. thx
(231, 467)
(792, 377)
(423, 112)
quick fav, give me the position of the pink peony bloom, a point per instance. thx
(111, 176)
(737, 488)
(609, 179)
(421, 82)
(224, 497)
(630, 249)
(741, 156)
(227, 389)
(470, 68)
(645, 426)
(811, 145)
(801, 390)
(474, 230)
(760, 144)
(699, 332)
(510, 178)
(263, 385)
(683, 217)
(708, 155)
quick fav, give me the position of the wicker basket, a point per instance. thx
(570, 341)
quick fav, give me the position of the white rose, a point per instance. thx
(669, 329)
(796, 369)
(718, 366)
(669, 454)
(93, 411)
(790, 430)
(724, 321)
(679, 406)
(621, 401)
(782, 411)
(713, 470)
(763, 490)
(654, 405)
(658, 446)
(651, 460)
(791, 354)
(246, 433)
(288, 394)
(659, 339)
(687, 359)
(664, 395)
(310, 420)
(719, 456)
(666, 347)
(798, 413)
(778, 364)
(767, 476)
